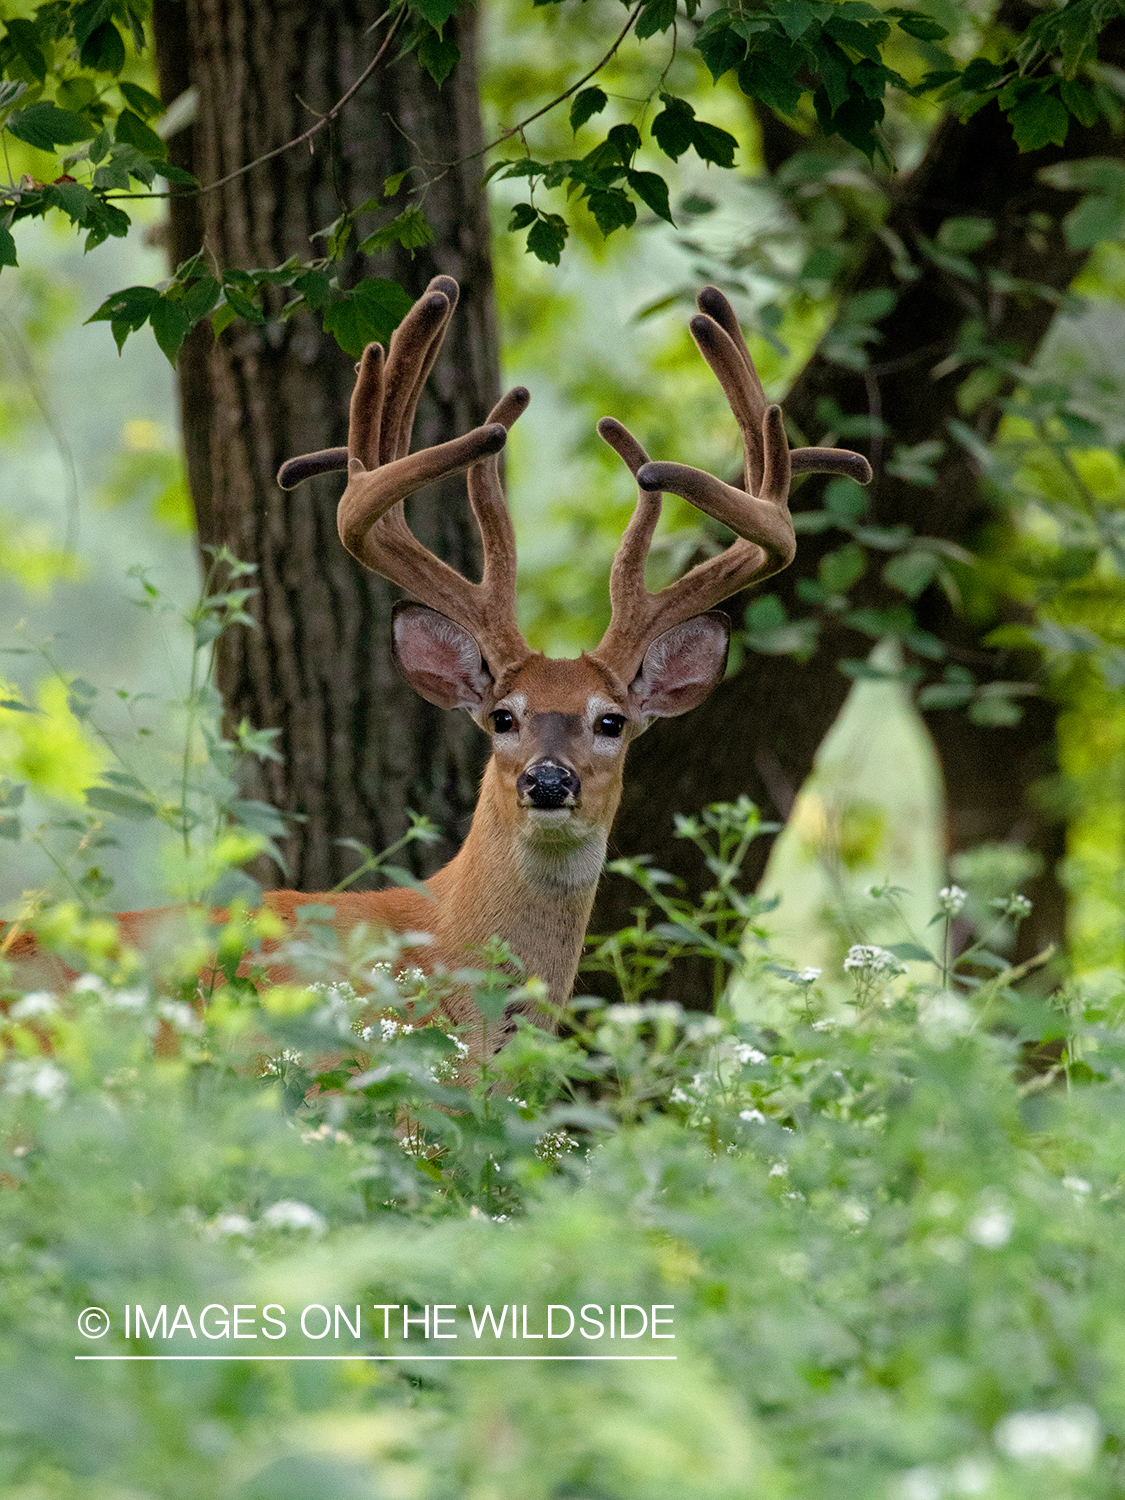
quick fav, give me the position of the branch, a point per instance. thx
(325, 119)
(506, 135)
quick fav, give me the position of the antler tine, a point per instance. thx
(759, 515)
(415, 345)
(382, 473)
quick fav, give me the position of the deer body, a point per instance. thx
(529, 866)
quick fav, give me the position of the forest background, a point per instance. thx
(881, 1184)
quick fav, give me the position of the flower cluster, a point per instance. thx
(871, 960)
(951, 898)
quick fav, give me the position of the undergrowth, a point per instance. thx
(876, 1216)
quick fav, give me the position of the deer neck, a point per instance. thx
(530, 883)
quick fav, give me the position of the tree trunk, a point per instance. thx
(759, 733)
(360, 748)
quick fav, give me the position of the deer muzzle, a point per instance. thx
(547, 785)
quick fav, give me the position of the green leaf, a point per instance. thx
(122, 163)
(107, 799)
(80, 697)
(411, 229)
(911, 951)
(384, 303)
(652, 190)
(713, 144)
(10, 828)
(438, 57)
(316, 288)
(672, 128)
(657, 15)
(134, 132)
(25, 37)
(1080, 101)
(1041, 120)
(521, 216)
(45, 126)
(87, 17)
(840, 569)
(242, 305)
(1098, 217)
(547, 237)
(586, 104)
(126, 311)
(260, 817)
(435, 12)
(11, 792)
(964, 235)
(944, 695)
(612, 209)
(140, 101)
(626, 141)
(391, 185)
(170, 323)
(796, 16)
(925, 28)
(7, 247)
(103, 51)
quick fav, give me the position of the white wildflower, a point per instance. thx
(291, 1214)
(553, 1144)
(755, 1116)
(1014, 905)
(873, 960)
(462, 1047)
(779, 1169)
(37, 1003)
(747, 1054)
(677, 1096)
(36, 1080)
(951, 898)
(230, 1226)
(391, 1028)
(326, 1132)
(275, 1067)
(125, 999)
(944, 1015)
(808, 976)
(1078, 1186)
(991, 1228)
(1069, 1438)
(89, 984)
(181, 1017)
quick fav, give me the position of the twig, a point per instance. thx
(325, 119)
(506, 135)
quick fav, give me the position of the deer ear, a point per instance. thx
(682, 666)
(439, 658)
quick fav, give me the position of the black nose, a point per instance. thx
(546, 784)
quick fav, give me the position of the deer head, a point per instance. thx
(559, 729)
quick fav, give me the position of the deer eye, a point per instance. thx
(610, 725)
(502, 721)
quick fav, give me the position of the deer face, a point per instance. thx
(559, 729)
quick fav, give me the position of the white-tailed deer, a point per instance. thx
(529, 866)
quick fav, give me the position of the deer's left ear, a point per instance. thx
(682, 666)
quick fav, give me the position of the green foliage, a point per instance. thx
(197, 799)
(884, 1225)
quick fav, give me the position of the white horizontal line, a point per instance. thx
(408, 1358)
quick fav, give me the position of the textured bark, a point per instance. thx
(759, 733)
(360, 747)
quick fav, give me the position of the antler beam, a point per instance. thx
(758, 513)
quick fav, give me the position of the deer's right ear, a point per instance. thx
(439, 658)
